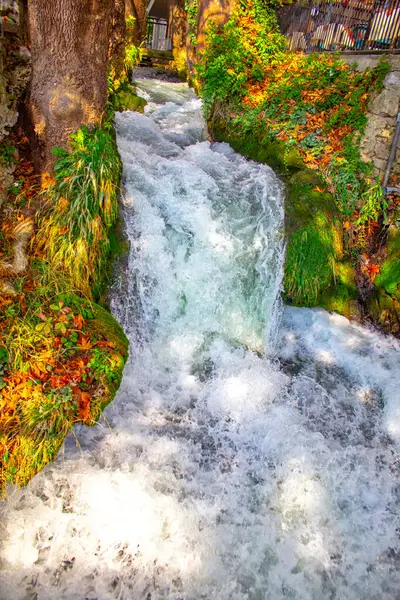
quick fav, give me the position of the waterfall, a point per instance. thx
(252, 452)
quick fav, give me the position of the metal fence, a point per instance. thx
(337, 25)
(157, 37)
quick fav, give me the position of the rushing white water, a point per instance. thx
(245, 457)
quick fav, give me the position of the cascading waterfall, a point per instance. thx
(248, 455)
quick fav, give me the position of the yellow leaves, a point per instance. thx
(318, 189)
(17, 388)
(47, 181)
(313, 96)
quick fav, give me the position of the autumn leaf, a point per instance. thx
(84, 343)
(78, 321)
(60, 326)
(57, 381)
(47, 180)
(104, 344)
(84, 405)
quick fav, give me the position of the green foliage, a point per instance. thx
(239, 53)
(374, 204)
(309, 262)
(132, 56)
(61, 364)
(81, 207)
(192, 9)
(389, 276)
(7, 153)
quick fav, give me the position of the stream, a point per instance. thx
(252, 451)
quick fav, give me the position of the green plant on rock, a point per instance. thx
(374, 204)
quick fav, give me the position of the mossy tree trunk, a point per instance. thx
(70, 45)
(138, 10)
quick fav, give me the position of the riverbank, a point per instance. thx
(62, 353)
(305, 116)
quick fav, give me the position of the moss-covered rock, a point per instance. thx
(127, 99)
(384, 304)
(388, 278)
(316, 272)
(71, 365)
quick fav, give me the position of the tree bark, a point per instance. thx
(70, 44)
(138, 10)
(178, 26)
(218, 11)
(117, 42)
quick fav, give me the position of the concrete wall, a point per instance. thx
(382, 113)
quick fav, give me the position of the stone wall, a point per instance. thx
(382, 114)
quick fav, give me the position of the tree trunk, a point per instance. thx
(117, 42)
(138, 10)
(218, 11)
(70, 43)
(178, 26)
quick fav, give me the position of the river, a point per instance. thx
(252, 452)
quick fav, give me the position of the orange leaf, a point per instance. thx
(79, 321)
(104, 344)
(84, 405)
(84, 343)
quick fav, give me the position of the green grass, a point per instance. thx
(80, 208)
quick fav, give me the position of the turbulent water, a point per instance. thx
(251, 453)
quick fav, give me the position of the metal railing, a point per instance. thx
(337, 25)
(157, 37)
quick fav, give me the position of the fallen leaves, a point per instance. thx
(84, 406)
(84, 343)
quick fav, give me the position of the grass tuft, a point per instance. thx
(80, 208)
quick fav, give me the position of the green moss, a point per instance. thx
(384, 303)
(341, 297)
(385, 310)
(128, 100)
(253, 145)
(389, 276)
(309, 266)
